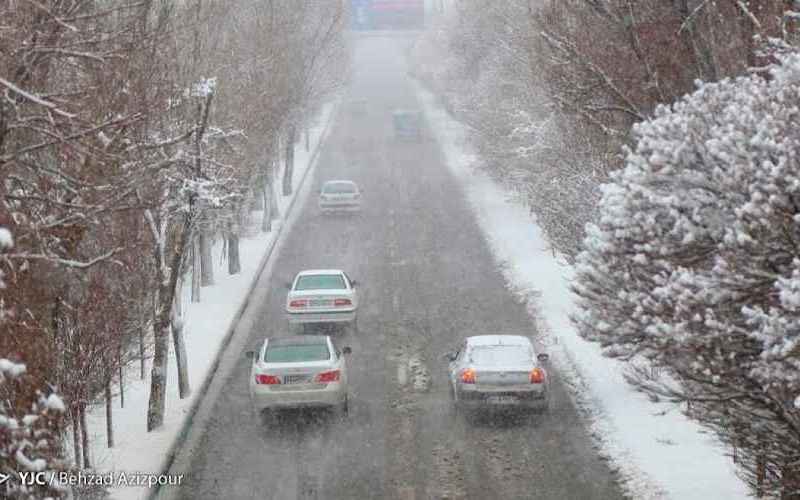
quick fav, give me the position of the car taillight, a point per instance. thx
(468, 376)
(267, 379)
(298, 303)
(331, 376)
(342, 302)
(537, 376)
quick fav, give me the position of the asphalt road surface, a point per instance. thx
(427, 280)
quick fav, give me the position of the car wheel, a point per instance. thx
(454, 407)
(343, 409)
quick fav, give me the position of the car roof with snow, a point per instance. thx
(311, 272)
(339, 181)
(298, 340)
(491, 340)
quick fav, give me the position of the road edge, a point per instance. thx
(182, 436)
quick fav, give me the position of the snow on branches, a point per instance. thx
(694, 264)
(29, 434)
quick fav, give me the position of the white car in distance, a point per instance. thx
(297, 372)
(322, 296)
(336, 196)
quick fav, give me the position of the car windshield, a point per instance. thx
(406, 120)
(296, 353)
(339, 187)
(500, 355)
(320, 282)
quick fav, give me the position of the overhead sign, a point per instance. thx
(387, 14)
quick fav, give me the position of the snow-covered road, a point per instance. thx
(428, 279)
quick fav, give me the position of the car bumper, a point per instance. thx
(340, 207)
(328, 396)
(495, 399)
(322, 317)
(408, 135)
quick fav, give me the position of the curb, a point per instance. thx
(188, 421)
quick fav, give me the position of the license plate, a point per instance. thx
(296, 379)
(502, 400)
(319, 302)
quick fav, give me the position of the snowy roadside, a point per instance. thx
(207, 324)
(658, 452)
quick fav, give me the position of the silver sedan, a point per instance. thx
(339, 196)
(498, 371)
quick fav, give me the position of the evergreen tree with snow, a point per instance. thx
(694, 266)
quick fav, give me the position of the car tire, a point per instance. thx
(352, 327)
(455, 409)
(343, 409)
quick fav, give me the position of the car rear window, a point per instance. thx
(406, 120)
(320, 282)
(500, 355)
(338, 187)
(296, 353)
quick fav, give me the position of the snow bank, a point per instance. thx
(659, 452)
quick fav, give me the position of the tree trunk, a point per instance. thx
(704, 61)
(109, 415)
(184, 390)
(266, 219)
(288, 170)
(206, 261)
(85, 437)
(258, 199)
(790, 482)
(761, 475)
(163, 321)
(177, 304)
(76, 435)
(195, 271)
(275, 210)
(234, 265)
(121, 385)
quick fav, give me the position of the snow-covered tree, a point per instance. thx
(30, 421)
(694, 266)
(30, 434)
(551, 89)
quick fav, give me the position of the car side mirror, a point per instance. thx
(288, 285)
(353, 282)
(250, 354)
(346, 350)
(450, 356)
(543, 357)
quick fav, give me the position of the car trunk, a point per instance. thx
(318, 299)
(502, 377)
(295, 376)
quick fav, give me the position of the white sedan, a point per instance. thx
(304, 371)
(498, 371)
(322, 296)
(340, 196)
